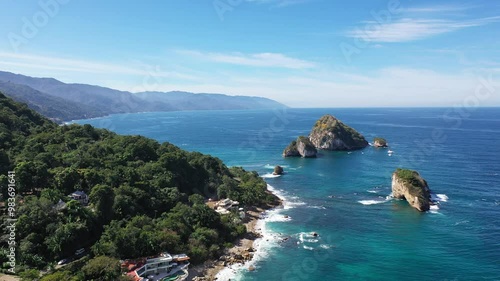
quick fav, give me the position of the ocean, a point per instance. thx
(344, 196)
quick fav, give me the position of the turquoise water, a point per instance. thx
(342, 196)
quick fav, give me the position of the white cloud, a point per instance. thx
(274, 60)
(407, 29)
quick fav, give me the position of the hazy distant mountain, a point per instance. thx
(55, 108)
(191, 101)
(62, 101)
(106, 100)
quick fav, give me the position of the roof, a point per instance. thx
(79, 193)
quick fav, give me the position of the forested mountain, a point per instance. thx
(55, 99)
(144, 197)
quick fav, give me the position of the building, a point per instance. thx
(80, 196)
(157, 267)
(223, 206)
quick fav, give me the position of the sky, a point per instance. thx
(303, 53)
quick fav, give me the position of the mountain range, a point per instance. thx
(64, 102)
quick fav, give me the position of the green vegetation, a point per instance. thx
(418, 186)
(144, 197)
(408, 176)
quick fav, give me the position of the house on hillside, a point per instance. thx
(80, 196)
(223, 206)
(157, 268)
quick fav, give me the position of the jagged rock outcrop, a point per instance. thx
(278, 170)
(302, 147)
(329, 133)
(379, 142)
(409, 185)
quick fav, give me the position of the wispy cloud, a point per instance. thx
(438, 9)
(407, 29)
(79, 66)
(275, 60)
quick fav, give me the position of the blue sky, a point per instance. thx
(304, 53)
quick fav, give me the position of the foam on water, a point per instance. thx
(263, 245)
(439, 197)
(317, 207)
(434, 209)
(276, 217)
(269, 166)
(270, 176)
(371, 202)
(378, 201)
(307, 237)
(290, 205)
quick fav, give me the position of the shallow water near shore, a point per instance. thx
(363, 233)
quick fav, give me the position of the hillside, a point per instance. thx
(144, 197)
(97, 101)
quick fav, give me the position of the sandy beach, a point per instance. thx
(240, 253)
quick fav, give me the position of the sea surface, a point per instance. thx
(345, 196)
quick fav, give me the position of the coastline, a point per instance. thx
(243, 250)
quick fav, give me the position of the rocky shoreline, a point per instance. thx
(242, 251)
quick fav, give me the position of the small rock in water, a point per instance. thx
(278, 170)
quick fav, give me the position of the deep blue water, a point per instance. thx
(457, 154)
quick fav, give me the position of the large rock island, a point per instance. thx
(409, 185)
(328, 133)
